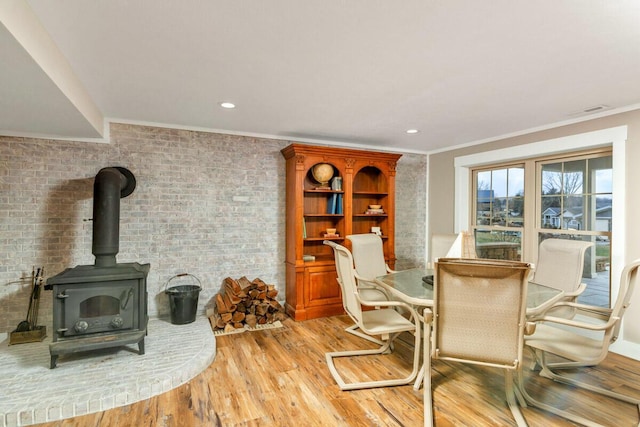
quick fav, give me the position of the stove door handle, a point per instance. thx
(126, 302)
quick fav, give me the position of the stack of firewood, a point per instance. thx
(241, 302)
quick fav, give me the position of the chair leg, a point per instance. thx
(559, 412)
(511, 399)
(381, 350)
(548, 372)
(420, 378)
(534, 366)
(354, 330)
(426, 336)
(425, 375)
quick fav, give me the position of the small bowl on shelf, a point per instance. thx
(375, 206)
(331, 230)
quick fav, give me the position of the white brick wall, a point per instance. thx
(411, 215)
(182, 216)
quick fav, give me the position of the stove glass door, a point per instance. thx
(93, 309)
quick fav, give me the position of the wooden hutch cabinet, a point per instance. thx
(367, 178)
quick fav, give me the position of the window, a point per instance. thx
(575, 194)
(575, 202)
(568, 197)
(499, 212)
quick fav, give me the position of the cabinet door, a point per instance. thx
(322, 286)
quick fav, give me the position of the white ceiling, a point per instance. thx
(350, 71)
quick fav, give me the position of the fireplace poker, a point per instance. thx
(36, 299)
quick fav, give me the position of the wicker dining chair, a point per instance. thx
(581, 343)
(385, 322)
(369, 262)
(479, 318)
(560, 265)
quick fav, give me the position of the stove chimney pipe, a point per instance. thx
(110, 185)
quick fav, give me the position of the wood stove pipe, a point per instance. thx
(110, 185)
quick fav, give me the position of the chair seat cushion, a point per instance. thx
(565, 343)
(385, 321)
(372, 294)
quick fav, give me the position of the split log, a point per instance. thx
(251, 320)
(244, 283)
(220, 324)
(271, 291)
(238, 316)
(234, 289)
(227, 302)
(220, 305)
(261, 309)
(275, 305)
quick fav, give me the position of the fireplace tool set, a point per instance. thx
(28, 330)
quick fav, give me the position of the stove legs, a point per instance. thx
(89, 343)
(54, 362)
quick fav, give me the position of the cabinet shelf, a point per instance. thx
(320, 215)
(321, 259)
(371, 215)
(369, 193)
(320, 239)
(314, 191)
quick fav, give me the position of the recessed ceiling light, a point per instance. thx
(227, 105)
(413, 131)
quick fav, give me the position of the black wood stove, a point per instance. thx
(102, 305)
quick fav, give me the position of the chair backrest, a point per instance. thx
(628, 280)
(346, 280)
(560, 263)
(464, 246)
(368, 255)
(440, 244)
(479, 311)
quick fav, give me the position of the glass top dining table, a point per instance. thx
(408, 286)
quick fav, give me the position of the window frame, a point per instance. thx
(474, 226)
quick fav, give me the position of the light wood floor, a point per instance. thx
(279, 377)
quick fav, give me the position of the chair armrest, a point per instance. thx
(602, 312)
(529, 328)
(532, 272)
(369, 284)
(582, 325)
(391, 303)
(575, 293)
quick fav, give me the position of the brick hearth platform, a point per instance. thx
(31, 393)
